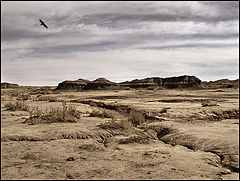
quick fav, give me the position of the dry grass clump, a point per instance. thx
(219, 115)
(115, 124)
(226, 114)
(53, 115)
(16, 106)
(136, 117)
(102, 113)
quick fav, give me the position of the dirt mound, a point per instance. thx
(6, 85)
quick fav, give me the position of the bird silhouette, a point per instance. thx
(42, 23)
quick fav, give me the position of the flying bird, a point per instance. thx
(42, 23)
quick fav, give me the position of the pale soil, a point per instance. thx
(181, 144)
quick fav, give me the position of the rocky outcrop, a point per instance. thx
(181, 82)
(73, 85)
(6, 85)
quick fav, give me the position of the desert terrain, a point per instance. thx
(139, 133)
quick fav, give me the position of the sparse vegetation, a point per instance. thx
(46, 98)
(102, 113)
(206, 104)
(224, 114)
(16, 106)
(23, 97)
(164, 110)
(118, 127)
(115, 124)
(136, 117)
(51, 115)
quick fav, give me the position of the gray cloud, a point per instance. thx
(115, 20)
(191, 45)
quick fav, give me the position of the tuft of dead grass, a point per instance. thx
(136, 117)
(53, 115)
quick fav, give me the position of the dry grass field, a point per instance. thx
(119, 134)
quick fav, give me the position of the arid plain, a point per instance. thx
(120, 134)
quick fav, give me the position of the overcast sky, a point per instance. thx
(118, 40)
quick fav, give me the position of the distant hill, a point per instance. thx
(184, 81)
(77, 84)
(6, 85)
(222, 83)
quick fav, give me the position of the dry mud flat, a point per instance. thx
(173, 134)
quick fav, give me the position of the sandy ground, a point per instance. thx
(181, 143)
